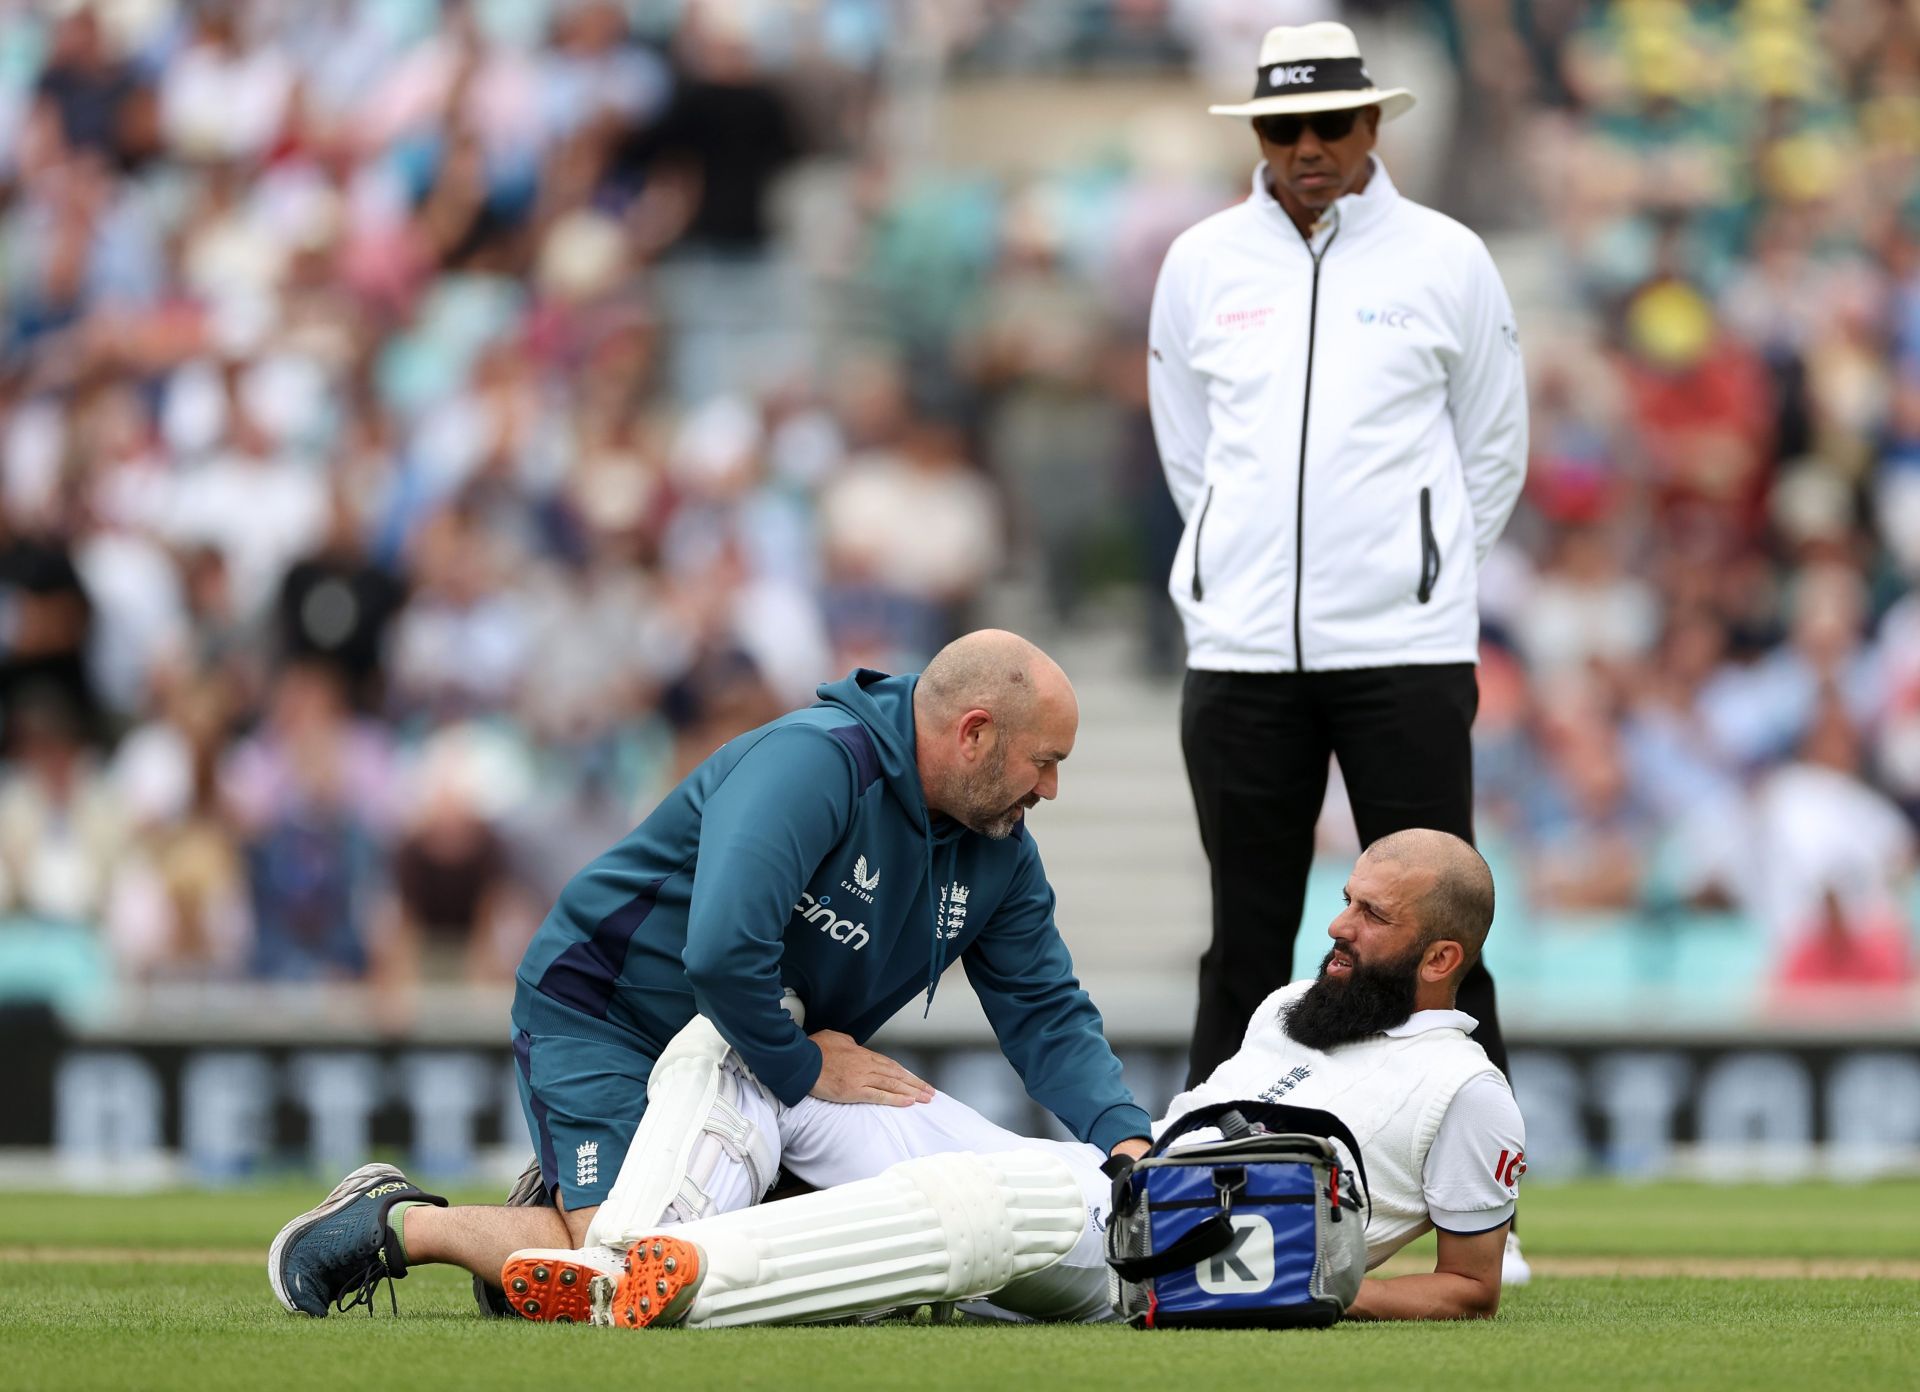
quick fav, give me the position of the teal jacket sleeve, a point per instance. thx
(1047, 1026)
(763, 832)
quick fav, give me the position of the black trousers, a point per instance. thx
(1256, 745)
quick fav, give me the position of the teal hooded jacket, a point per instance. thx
(801, 855)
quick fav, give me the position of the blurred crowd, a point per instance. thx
(1702, 679)
(427, 427)
(415, 453)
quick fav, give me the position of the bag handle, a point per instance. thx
(1273, 1115)
(1205, 1240)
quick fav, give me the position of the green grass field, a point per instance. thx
(171, 1292)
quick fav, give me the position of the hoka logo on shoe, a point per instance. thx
(587, 1164)
(392, 1186)
(820, 915)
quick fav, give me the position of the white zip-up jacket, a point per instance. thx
(1343, 424)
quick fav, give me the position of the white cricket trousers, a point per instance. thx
(827, 1143)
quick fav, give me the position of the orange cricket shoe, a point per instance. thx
(550, 1284)
(658, 1287)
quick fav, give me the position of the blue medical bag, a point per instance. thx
(1263, 1227)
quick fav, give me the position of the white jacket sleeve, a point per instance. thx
(1176, 394)
(1487, 395)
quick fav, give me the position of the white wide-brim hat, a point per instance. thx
(1315, 67)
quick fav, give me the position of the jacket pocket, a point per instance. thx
(1429, 548)
(1199, 589)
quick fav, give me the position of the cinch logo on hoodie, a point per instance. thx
(827, 921)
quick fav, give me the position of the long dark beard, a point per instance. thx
(1371, 1000)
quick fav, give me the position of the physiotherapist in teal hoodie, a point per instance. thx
(846, 853)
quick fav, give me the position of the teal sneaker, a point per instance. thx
(339, 1252)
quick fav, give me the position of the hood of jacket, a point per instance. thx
(883, 704)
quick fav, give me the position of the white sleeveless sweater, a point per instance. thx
(1390, 1089)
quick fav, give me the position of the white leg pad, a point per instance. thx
(943, 1227)
(709, 1140)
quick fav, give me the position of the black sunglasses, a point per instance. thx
(1327, 126)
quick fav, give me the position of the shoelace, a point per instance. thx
(359, 1288)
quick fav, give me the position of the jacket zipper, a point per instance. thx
(1199, 590)
(1300, 494)
(1429, 548)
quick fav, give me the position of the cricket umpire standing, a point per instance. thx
(1340, 407)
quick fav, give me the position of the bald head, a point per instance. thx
(993, 717)
(995, 671)
(1458, 900)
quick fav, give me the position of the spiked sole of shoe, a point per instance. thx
(663, 1277)
(550, 1292)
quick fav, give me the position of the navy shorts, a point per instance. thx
(583, 1086)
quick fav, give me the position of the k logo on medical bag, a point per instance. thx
(1264, 1227)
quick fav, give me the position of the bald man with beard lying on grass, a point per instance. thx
(935, 1203)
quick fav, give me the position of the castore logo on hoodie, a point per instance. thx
(863, 884)
(817, 912)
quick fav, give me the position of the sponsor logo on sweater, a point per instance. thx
(1510, 1166)
(863, 883)
(819, 912)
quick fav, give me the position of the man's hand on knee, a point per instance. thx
(852, 1073)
